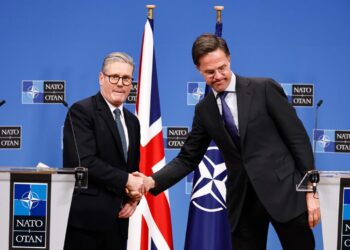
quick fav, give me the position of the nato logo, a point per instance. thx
(331, 141)
(344, 217)
(301, 95)
(175, 137)
(10, 137)
(29, 229)
(131, 99)
(209, 190)
(195, 92)
(39, 91)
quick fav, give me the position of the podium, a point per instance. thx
(333, 189)
(34, 206)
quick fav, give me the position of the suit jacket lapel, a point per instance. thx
(244, 97)
(108, 117)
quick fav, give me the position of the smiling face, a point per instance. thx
(216, 69)
(115, 94)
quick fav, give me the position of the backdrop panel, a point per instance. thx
(54, 49)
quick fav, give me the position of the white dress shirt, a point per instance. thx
(231, 99)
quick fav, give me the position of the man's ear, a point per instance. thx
(198, 67)
(100, 78)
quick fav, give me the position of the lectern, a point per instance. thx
(333, 189)
(34, 206)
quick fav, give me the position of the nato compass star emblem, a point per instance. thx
(323, 141)
(209, 190)
(33, 92)
(197, 93)
(30, 200)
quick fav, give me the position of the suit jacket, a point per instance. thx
(100, 149)
(275, 150)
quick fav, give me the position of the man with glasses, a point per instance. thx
(265, 147)
(108, 141)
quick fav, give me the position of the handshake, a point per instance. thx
(138, 184)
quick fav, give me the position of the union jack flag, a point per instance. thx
(150, 225)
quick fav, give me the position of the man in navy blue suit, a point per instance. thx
(108, 140)
(265, 147)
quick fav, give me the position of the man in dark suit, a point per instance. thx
(265, 147)
(108, 141)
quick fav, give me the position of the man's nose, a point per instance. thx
(120, 82)
(217, 74)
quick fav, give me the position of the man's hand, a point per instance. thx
(133, 195)
(135, 183)
(128, 209)
(148, 181)
(313, 209)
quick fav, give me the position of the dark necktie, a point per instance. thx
(228, 119)
(121, 132)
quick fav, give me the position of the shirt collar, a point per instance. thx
(112, 107)
(231, 87)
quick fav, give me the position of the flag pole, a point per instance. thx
(212, 228)
(151, 223)
(218, 25)
(150, 8)
(219, 10)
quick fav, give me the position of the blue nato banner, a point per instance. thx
(344, 215)
(30, 211)
(207, 226)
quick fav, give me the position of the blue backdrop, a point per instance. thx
(294, 42)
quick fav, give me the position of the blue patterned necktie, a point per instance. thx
(228, 119)
(121, 132)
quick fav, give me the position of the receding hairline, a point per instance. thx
(117, 57)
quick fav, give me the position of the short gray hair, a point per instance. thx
(117, 57)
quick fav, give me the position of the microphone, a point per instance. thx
(318, 105)
(314, 178)
(2, 102)
(80, 173)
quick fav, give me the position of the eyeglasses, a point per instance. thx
(114, 79)
(211, 73)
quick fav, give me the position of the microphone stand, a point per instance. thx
(80, 172)
(314, 176)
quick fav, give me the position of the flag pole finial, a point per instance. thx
(150, 8)
(219, 10)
